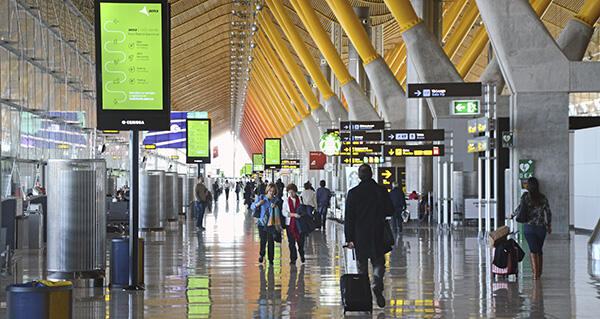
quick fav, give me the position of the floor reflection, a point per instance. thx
(430, 274)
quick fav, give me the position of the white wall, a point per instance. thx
(586, 178)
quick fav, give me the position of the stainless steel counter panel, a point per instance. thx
(169, 199)
(178, 193)
(150, 198)
(76, 216)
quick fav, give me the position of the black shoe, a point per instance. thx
(380, 299)
(261, 259)
(302, 259)
(292, 263)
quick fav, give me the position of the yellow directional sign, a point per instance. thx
(386, 173)
(386, 176)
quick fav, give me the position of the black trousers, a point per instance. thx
(266, 238)
(292, 245)
(378, 264)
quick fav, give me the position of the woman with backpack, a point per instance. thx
(290, 211)
(534, 212)
(262, 208)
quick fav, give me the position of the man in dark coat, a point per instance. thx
(367, 206)
(397, 196)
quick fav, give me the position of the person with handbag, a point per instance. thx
(534, 212)
(295, 237)
(262, 212)
(366, 229)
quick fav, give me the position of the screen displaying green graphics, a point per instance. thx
(272, 153)
(248, 169)
(257, 162)
(198, 141)
(132, 62)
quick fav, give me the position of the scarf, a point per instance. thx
(293, 206)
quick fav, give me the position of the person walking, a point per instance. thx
(323, 200)
(539, 222)
(262, 204)
(399, 202)
(295, 238)
(227, 186)
(309, 198)
(367, 206)
(215, 188)
(201, 195)
(238, 188)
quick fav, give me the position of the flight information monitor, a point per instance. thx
(198, 141)
(257, 162)
(272, 153)
(132, 64)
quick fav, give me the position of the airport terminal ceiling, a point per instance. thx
(202, 48)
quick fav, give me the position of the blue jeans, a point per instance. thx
(535, 236)
(200, 207)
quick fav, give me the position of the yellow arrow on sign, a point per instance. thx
(391, 152)
(386, 174)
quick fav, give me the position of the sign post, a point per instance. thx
(132, 40)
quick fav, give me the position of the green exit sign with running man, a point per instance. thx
(464, 107)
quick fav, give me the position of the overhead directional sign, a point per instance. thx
(361, 136)
(290, 163)
(370, 148)
(434, 90)
(386, 176)
(362, 159)
(464, 107)
(478, 125)
(361, 125)
(335, 131)
(413, 150)
(412, 135)
(476, 145)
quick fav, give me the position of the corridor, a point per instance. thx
(430, 274)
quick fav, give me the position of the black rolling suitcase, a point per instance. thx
(356, 291)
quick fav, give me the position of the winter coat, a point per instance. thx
(398, 200)
(309, 198)
(367, 206)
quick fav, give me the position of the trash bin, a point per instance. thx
(119, 262)
(40, 300)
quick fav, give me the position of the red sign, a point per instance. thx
(317, 160)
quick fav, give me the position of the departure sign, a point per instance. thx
(198, 141)
(272, 153)
(434, 90)
(370, 148)
(362, 159)
(386, 176)
(133, 64)
(257, 162)
(413, 150)
(413, 135)
(361, 125)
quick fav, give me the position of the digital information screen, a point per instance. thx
(133, 64)
(257, 163)
(272, 153)
(198, 141)
(248, 169)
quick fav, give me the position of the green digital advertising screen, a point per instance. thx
(132, 64)
(198, 141)
(248, 169)
(272, 153)
(257, 162)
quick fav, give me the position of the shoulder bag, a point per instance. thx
(523, 215)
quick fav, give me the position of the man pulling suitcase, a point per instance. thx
(367, 206)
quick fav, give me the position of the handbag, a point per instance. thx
(388, 236)
(523, 212)
(256, 212)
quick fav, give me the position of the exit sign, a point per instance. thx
(464, 107)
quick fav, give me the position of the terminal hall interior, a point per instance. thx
(299, 158)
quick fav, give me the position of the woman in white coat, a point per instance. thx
(290, 204)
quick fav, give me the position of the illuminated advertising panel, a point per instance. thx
(198, 141)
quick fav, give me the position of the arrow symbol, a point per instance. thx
(391, 136)
(386, 174)
(391, 152)
(460, 107)
(418, 93)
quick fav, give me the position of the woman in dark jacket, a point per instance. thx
(262, 203)
(539, 223)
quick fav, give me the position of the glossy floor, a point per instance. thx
(430, 274)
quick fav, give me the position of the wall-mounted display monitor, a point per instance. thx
(133, 64)
(272, 149)
(198, 141)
